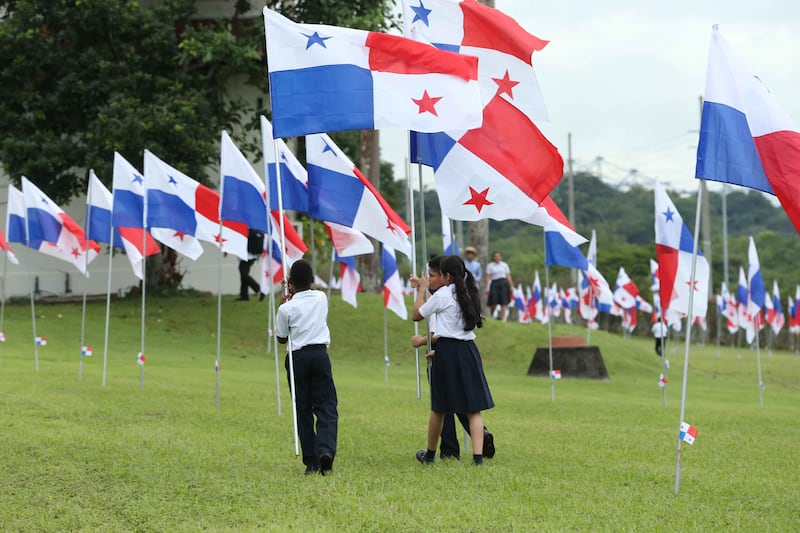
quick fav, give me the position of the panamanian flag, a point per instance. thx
(687, 433)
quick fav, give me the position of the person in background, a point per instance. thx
(303, 318)
(458, 383)
(498, 279)
(473, 265)
(660, 332)
(255, 245)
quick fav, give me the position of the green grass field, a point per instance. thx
(77, 455)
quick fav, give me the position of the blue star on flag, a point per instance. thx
(421, 13)
(668, 213)
(315, 38)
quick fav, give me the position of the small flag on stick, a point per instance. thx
(688, 433)
(2, 337)
(140, 359)
(217, 367)
(662, 381)
(86, 351)
(555, 374)
(386, 360)
(40, 341)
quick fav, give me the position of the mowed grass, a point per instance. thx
(602, 456)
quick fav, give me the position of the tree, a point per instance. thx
(81, 80)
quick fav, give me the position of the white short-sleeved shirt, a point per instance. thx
(305, 316)
(449, 322)
(659, 330)
(497, 270)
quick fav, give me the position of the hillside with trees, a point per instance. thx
(624, 223)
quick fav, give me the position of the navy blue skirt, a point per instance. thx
(458, 384)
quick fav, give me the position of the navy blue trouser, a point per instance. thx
(315, 396)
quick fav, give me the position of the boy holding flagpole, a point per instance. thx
(302, 320)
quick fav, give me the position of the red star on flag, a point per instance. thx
(391, 226)
(218, 238)
(696, 288)
(505, 85)
(75, 252)
(478, 199)
(427, 103)
(179, 235)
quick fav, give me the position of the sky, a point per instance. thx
(625, 78)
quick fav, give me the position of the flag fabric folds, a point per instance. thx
(99, 203)
(294, 190)
(181, 212)
(127, 213)
(625, 291)
(674, 248)
(294, 178)
(15, 217)
(505, 168)
(339, 192)
(7, 249)
(350, 278)
(392, 285)
(53, 232)
(745, 318)
(242, 191)
(746, 138)
(776, 320)
(327, 78)
(274, 260)
(560, 239)
(503, 47)
(755, 282)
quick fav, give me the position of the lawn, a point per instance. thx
(602, 456)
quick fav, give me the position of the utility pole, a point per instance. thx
(571, 196)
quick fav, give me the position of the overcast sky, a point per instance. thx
(625, 76)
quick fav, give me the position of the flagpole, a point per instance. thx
(86, 273)
(108, 302)
(30, 282)
(217, 364)
(33, 307)
(688, 336)
(413, 259)
(3, 295)
(425, 259)
(330, 277)
(140, 359)
(385, 345)
(313, 246)
(757, 326)
(549, 331)
(664, 332)
(272, 341)
(286, 293)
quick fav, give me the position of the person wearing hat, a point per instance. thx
(472, 264)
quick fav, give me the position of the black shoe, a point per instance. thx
(261, 296)
(488, 444)
(325, 464)
(311, 469)
(422, 457)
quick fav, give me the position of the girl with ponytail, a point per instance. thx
(458, 383)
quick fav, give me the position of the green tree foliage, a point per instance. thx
(83, 79)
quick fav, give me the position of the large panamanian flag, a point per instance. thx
(327, 78)
(504, 169)
(746, 138)
(674, 247)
